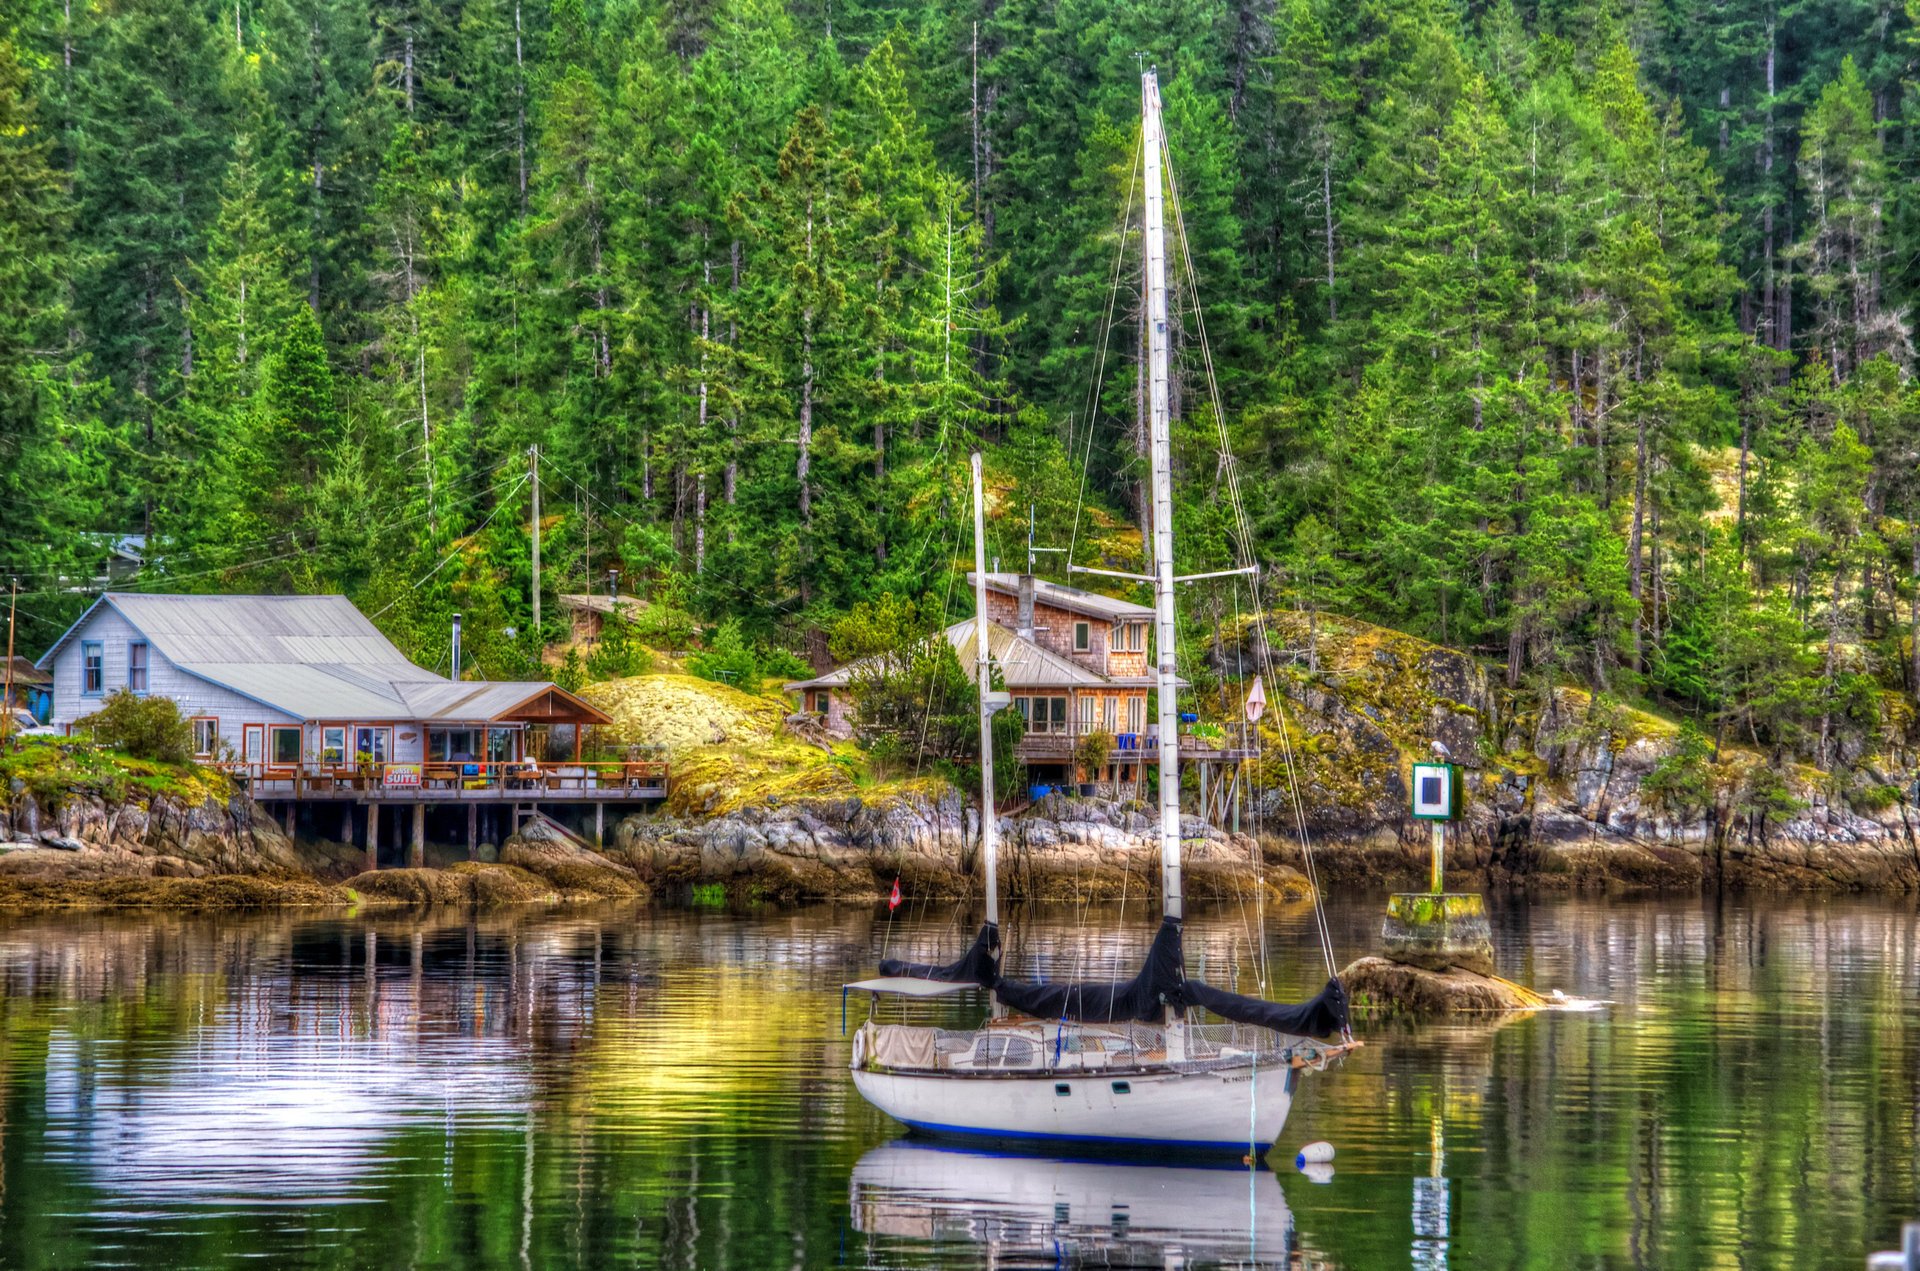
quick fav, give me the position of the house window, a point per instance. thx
(285, 746)
(1059, 713)
(93, 668)
(1086, 713)
(206, 736)
(446, 744)
(372, 743)
(1136, 713)
(1117, 636)
(333, 745)
(1025, 706)
(137, 666)
(499, 745)
(1109, 714)
(1082, 637)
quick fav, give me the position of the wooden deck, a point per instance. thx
(1059, 748)
(582, 781)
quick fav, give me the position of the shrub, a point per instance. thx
(144, 727)
(728, 659)
(619, 652)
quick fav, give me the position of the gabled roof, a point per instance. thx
(313, 657)
(1023, 664)
(1072, 599)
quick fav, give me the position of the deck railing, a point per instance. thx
(453, 778)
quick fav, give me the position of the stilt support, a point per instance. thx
(599, 825)
(373, 836)
(418, 859)
(473, 831)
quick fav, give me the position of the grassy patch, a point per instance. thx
(53, 770)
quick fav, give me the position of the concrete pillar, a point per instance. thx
(418, 859)
(473, 831)
(599, 825)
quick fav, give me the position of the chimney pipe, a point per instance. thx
(456, 647)
(613, 584)
(1023, 622)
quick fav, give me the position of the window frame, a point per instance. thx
(1083, 637)
(96, 652)
(272, 756)
(329, 752)
(211, 743)
(1136, 714)
(143, 666)
(1088, 713)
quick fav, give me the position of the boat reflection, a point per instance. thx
(1029, 1210)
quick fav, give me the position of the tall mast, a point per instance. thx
(989, 849)
(1158, 460)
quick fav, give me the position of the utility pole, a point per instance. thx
(6, 698)
(533, 470)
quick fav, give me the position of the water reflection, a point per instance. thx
(625, 1084)
(1017, 1210)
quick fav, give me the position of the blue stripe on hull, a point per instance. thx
(1191, 1145)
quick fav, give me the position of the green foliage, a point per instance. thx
(1564, 336)
(619, 652)
(143, 727)
(571, 674)
(728, 659)
(1681, 783)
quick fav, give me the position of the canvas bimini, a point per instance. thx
(1104, 1062)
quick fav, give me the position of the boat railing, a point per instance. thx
(1062, 1046)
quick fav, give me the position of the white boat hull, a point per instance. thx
(1045, 1211)
(1233, 1110)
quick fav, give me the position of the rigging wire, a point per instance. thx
(459, 546)
(1244, 540)
(1100, 359)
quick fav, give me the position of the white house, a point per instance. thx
(294, 683)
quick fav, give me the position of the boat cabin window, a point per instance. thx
(1007, 1052)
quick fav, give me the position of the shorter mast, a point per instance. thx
(988, 830)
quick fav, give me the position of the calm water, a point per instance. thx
(643, 1087)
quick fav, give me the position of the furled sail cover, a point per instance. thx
(1162, 982)
(1323, 1015)
(976, 965)
(1144, 997)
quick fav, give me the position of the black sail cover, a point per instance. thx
(1161, 982)
(976, 966)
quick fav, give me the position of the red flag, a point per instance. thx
(893, 901)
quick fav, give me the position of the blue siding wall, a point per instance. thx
(192, 694)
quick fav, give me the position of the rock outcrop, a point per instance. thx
(1561, 788)
(156, 836)
(854, 847)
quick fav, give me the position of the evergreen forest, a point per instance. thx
(1574, 334)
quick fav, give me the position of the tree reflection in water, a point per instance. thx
(534, 1087)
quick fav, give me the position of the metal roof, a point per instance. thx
(1073, 599)
(313, 657)
(602, 604)
(1023, 664)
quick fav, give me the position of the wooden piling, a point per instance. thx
(473, 831)
(373, 836)
(418, 858)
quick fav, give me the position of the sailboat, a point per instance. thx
(1114, 1062)
(1034, 1210)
